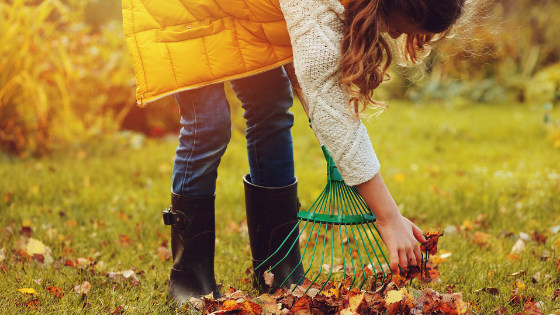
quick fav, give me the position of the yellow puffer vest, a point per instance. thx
(185, 44)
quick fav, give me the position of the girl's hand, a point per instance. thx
(399, 234)
(401, 238)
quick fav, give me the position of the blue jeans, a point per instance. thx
(205, 116)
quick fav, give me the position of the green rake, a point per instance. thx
(338, 208)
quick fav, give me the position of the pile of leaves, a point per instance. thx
(337, 297)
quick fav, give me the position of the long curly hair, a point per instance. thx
(367, 53)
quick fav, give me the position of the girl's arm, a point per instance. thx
(316, 30)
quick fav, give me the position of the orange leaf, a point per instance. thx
(231, 305)
(34, 304)
(56, 291)
(480, 238)
(432, 240)
(512, 257)
(252, 308)
(302, 306)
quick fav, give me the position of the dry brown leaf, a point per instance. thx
(268, 277)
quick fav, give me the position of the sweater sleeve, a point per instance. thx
(316, 29)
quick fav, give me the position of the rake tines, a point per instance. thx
(339, 220)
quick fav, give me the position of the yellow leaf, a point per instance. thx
(35, 247)
(355, 301)
(520, 284)
(331, 292)
(27, 291)
(468, 225)
(399, 178)
(26, 223)
(395, 296)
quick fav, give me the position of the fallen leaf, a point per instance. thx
(395, 296)
(468, 225)
(531, 308)
(84, 261)
(251, 308)
(512, 257)
(519, 284)
(539, 237)
(518, 248)
(118, 310)
(520, 273)
(555, 294)
(126, 276)
(163, 253)
(353, 303)
(56, 291)
(83, 288)
(302, 306)
(268, 277)
(35, 247)
(481, 238)
(29, 291)
(33, 304)
(399, 280)
(231, 305)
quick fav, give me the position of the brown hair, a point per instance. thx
(366, 52)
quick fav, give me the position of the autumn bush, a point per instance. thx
(66, 76)
(492, 58)
(59, 83)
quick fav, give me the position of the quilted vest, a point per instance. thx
(179, 45)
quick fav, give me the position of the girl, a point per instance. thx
(341, 54)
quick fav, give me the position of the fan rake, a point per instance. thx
(339, 213)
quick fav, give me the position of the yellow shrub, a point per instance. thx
(58, 83)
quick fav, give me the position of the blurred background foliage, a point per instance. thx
(66, 77)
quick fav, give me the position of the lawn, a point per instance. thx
(487, 175)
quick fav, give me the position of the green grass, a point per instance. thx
(452, 165)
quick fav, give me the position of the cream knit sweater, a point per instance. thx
(316, 30)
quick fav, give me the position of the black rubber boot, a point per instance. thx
(271, 216)
(193, 237)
